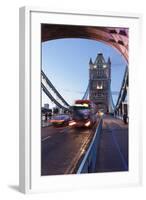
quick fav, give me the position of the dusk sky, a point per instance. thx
(66, 64)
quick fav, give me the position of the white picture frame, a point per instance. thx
(30, 179)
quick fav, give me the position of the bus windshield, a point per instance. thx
(80, 112)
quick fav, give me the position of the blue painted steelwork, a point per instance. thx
(123, 90)
(111, 103)
(54, 89)
(88, 164)
(52, 98)
(86, 93)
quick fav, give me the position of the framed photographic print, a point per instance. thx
(79, 100)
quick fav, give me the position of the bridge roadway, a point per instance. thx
(113, 146)
(62, 149)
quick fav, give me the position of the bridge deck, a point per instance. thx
(62, 149)
(113, 147)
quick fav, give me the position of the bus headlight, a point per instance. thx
(72, 123)
(87, 123)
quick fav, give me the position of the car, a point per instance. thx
(60, 120)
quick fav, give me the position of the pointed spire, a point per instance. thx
(109, 60)
(90, 62)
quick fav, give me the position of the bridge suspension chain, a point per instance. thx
(123, 90)
(111, 103)
(86, 93)
(52, 98)
(65, 104)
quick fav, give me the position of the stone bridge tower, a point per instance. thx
(100, 82)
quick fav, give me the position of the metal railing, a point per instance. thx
(88, 164)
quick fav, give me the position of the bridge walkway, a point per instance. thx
(113, 147)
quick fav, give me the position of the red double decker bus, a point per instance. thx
(83, 114)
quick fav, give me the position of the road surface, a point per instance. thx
(62, 148)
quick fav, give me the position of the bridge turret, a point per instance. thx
(90, 62)
(109, 61)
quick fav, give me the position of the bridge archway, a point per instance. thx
(115, 37)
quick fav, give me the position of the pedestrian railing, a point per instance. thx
(88, 164)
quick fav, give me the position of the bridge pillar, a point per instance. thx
(119, 112)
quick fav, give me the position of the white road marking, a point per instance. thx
(46, 138)
(59, 132)
(62, 131)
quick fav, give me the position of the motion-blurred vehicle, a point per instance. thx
(83, 114)
(60, 120)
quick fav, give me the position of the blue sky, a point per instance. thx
(66, 63)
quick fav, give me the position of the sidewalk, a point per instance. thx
(113, 147)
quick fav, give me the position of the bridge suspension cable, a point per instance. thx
(86, 93)
(123, 90)
(52, 98)
(63, 104)
(111, 103)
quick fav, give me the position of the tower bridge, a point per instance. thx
(104, 147)
(75, 152)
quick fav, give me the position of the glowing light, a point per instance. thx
(86, 105)
(58, 121)
(99, 87)
(94, 66)
(72, 123)
(81, 105)
(88, 123)
(82, 151)
(100, 113)
(104, 66)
